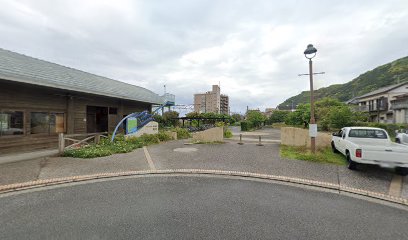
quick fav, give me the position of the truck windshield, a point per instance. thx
(367, 133)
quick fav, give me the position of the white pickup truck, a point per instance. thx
(402, 137)
(370, 146)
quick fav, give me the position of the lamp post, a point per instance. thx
(310, 53)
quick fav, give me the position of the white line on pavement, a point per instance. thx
(149, 159)
(396, 186)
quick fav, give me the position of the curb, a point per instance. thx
(332, 186)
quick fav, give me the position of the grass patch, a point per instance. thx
(322, 156)
(120, 145)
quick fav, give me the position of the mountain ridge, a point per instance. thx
(379, 77)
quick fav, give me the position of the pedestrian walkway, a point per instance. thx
(15, 157)
(228, 156)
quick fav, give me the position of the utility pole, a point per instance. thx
(310, 53)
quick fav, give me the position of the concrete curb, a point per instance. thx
(332, 186)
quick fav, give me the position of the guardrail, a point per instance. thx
(84, 140)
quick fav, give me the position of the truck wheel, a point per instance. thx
(401, 171)
(351, 164)
(397, 140)
(334, 148)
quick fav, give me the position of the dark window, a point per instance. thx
(11, 123)
(113, 111)
(43, 122)
(367, 133)
(39, 122)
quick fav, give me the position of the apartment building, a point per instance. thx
(224, 104)
(386, 105)
(211, 101)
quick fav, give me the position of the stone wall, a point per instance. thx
(210, 135)
(300, 137)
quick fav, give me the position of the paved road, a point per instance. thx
(267, 160)
(194, 207)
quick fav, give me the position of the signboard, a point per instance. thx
(131, 125)
(313, 130)
(150, 128)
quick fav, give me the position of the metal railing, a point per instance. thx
(399, 104)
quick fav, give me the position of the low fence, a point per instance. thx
(292, 136)
(210, 135)
(78, 140)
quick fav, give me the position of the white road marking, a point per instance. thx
(396, 186)
(149, 159)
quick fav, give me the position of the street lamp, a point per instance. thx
(310, 53)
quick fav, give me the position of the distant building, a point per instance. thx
(211, 101)
(385, 105)
(224, 104)
(268, 111)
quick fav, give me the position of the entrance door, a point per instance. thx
(96, 119)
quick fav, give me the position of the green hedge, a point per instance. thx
(246, 126)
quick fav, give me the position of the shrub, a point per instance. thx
(278, 116)
(219, 124)
(182, 133)
(149, 139)
(120, 145)
(169, 118)
(246, 126)
(227, 133)
(163, 136)
(256, 118)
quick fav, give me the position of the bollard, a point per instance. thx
(240, 139)
(260, 142)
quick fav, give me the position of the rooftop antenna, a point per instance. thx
(164, 89)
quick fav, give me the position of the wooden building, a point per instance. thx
(39, 99)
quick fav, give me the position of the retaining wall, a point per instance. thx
(292, 136)
(210, 135)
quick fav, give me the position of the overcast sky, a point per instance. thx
(253, 48)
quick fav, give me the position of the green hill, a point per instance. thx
(382, 76)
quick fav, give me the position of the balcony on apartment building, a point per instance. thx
(380, 106)
(399, 104)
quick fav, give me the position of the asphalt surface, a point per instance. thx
(266, 159)
(194, 207)
(228, 156)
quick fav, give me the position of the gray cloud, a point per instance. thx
(254, 48)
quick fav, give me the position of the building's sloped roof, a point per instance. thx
(381, 90)
(20, 68)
